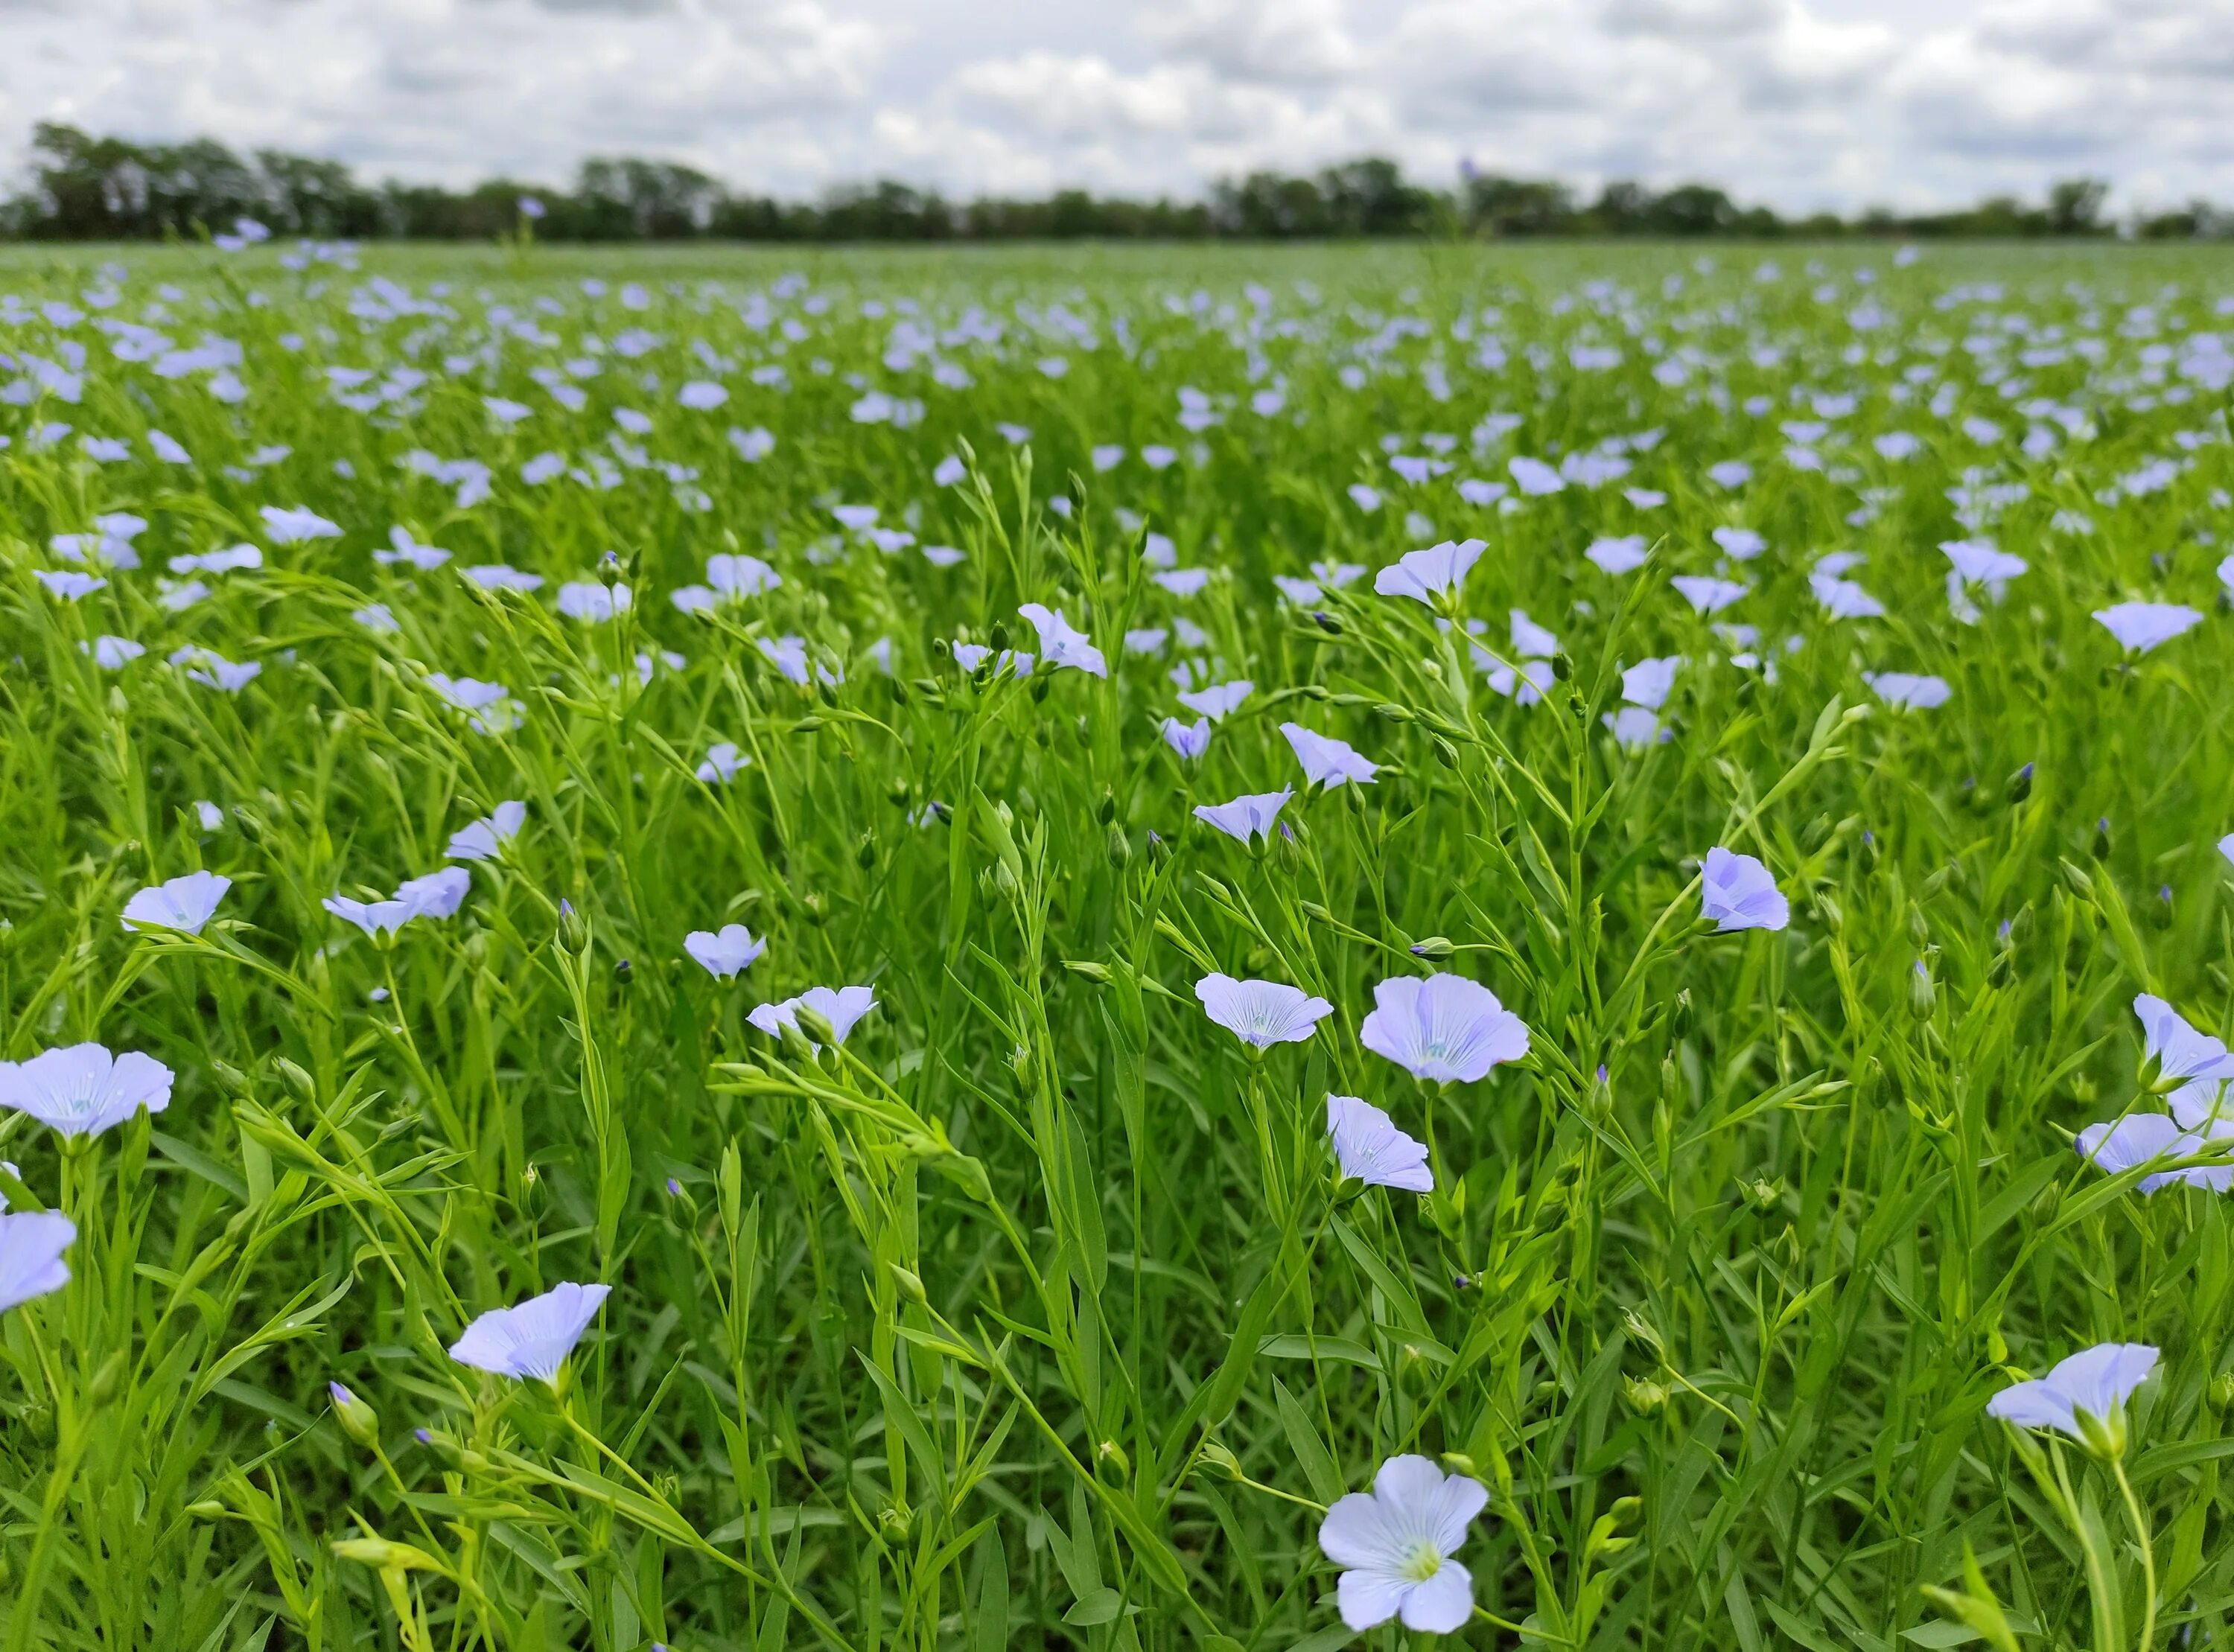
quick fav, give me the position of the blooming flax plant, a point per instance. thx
(1440, 942)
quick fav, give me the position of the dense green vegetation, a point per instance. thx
(1031, 1305)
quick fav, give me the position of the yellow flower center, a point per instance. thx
(1421, 1562)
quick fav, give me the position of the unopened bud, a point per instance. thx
(107, 1379)
(299, 1082)
(909, 1283)
(358, 1421)
(2019, 786)
(1923, 994)
(1111, 1464)
(1219, 1461)
(1434, 949)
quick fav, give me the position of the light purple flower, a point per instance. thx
(1217, 700)
(495, 576)
(114, 653)
(376, 918)
(1741, 544)
(842, 1007)
(292, 526)
(1327, 761)
(2139, 627)
(739, 576)
(1908, 690)
(1622, 554)
(591, 602)
(1843, 598)
(488, 709)
(1736, 892)
(1431, 575)
(1446, 1029)
(1369, 1146)
(81, 1090)
(1245, 817)
(532, 1339)
(1636, 727)
(2191, 1065)
(31, 1247)
(214, 670)
(185, 902)
(1978, 563)
(2142, 1137)
(1062, 643)
(723, 762)
(2095, 1382)
(485, 839)
(439, 894)
(405, 549)
(1649, 682)
(1261, 1013)
(1189, 742)
(1396, 1545)
(1708, 596)
(724, 951)
(68, 584)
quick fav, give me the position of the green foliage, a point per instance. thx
(1036, 1314)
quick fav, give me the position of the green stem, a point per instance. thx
(2148, 1555)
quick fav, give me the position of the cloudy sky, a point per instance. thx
(1801, 103)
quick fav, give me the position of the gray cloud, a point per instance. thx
(1800, 102)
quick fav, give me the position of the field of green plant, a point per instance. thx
(1229, 949)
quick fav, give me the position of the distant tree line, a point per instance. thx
(85, 187)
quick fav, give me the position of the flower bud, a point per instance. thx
(1121, 848)
(298, 1082)
(1111, 1466)
(2020, 787)
(1923, 995)
(816, 1025)
(2100, 847)
(358, 1421)
(573, 928)
(1434, 949)
(1097, 973)
(1413, 1369)
(107, 1379)
(909, 1284)
(1219, 1461)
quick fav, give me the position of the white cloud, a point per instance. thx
(1800, 102)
